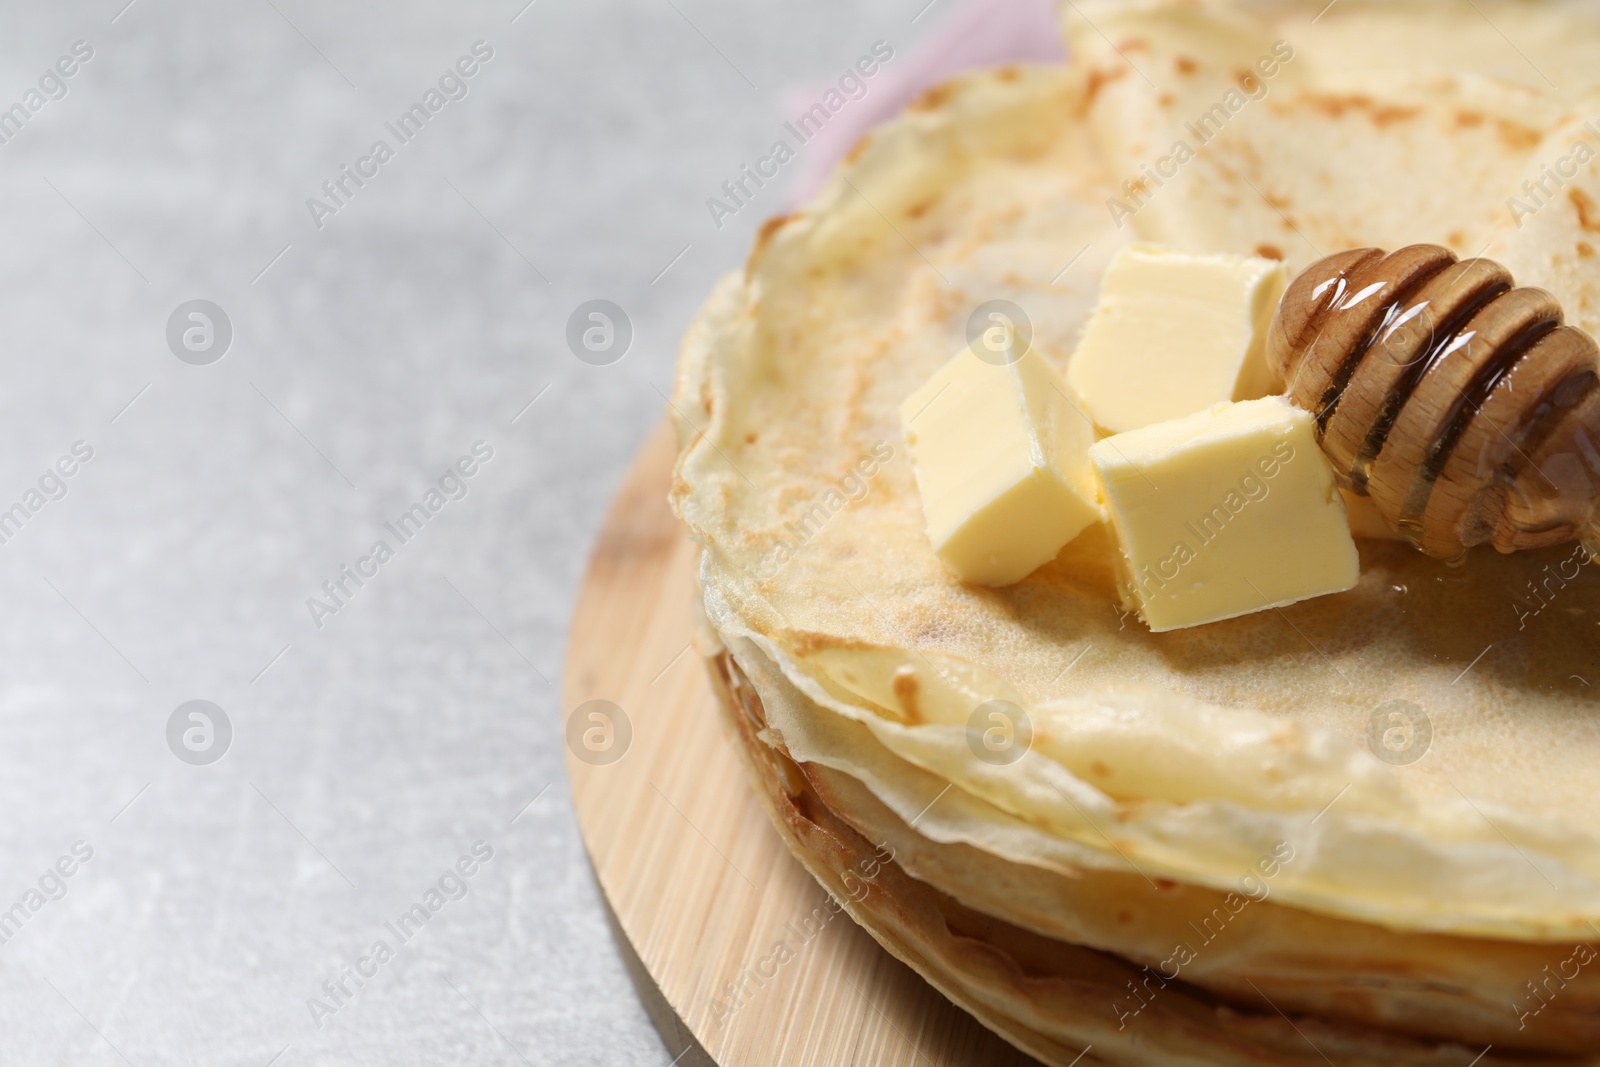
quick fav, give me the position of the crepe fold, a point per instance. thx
(1210, 790)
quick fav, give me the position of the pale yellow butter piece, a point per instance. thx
(1175, 333)
(1001, 454)
(1225, 512)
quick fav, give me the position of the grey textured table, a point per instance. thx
(375, 740)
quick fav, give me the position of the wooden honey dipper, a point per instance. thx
(1459, 403)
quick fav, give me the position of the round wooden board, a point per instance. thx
(701, 887)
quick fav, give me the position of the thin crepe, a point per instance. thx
(1200, 747)
(1065, 1004)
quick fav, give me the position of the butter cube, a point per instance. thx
(1001, 454)
(1225, 512)
(1175, 333)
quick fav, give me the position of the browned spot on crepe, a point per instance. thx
(1099, 79)
(1517, 136)
(1588, 211)
(905, 691)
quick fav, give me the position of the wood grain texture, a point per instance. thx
(701, 885)
(1441, 390)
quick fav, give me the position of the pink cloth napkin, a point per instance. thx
(977, 33)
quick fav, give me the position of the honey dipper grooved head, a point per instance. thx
(1461, 404)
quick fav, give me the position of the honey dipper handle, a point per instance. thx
(1461, 404)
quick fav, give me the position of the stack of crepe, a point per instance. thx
(1206, 852)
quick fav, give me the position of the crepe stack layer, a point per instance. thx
(1200, 858)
